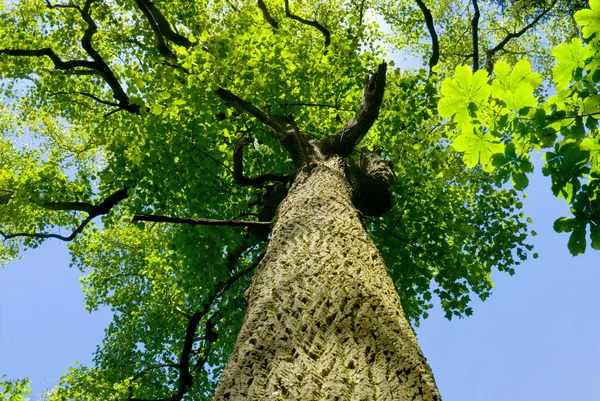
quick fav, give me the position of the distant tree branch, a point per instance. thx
(96, 66)
(475, 33)
(154, 367)
(344, 142)
(198, 221)
(490, 53)
(187, 372)
(6, 195)
(58, 63)
(265, 12)
(89, 95)
(314, 24)
(328, 106)
(435, 44)
(238, 168)
(93, 211)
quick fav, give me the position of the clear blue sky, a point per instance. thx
(536, 338)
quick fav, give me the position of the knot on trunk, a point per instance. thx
(370, 177)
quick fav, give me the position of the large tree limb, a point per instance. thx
(238, 168)
(490, 53)
(267, 16)
(161, 45)
(475, 34)
(93, 211)
(232, 100)
(344, 142)
(198, 221)
(435, 44)
(284, 129)
(165, 27)
(314, 24)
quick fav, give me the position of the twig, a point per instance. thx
(199, 221)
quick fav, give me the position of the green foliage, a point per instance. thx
(566, 123)
(69, 141)
(14, 390)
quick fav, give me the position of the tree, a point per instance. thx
(236, 153)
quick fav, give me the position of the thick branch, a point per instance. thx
(58, 63)
(165, 27)
(161, 46)
(344, 142)
(475, 32)
(244, 106)
(93, 211)
(99, 64)
(266, 14)
(198, 221)
(314, 24)
(435, 44)
(489, 64)
(238, 169)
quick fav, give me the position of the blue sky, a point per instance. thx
(536, 338)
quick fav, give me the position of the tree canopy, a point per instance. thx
(142, 133)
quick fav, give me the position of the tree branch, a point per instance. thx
(198, 221)
(238, 168)
(489, 65)
(242, 105)
(435, 44)
(93, 211)
(98, 65)
(266, 14)
(58, 63)
(161, 46)
(186, 375)
(95, 98)
(314, 24)
(475, 33)
(6, 195)
(344, 142)
(165, 27)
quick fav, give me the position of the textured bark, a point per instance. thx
(324, 320)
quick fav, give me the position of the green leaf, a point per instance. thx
(520, 180)
(569, 56)
(477, 148)
(589, 19)
(577, 242)
(593, 146)
(565, 225)
(156, 109)
(514, 86)
(463, 94)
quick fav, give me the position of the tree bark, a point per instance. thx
(324, 320)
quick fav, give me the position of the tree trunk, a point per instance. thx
(324, 320)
